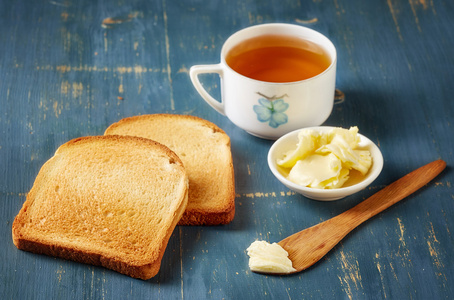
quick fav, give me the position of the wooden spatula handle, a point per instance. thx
(393, 193)
(308, 246)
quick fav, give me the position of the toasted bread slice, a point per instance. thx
(204, 149)
(112, 201)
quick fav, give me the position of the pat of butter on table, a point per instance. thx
(269, 258)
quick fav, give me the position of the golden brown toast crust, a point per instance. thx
(41, 226)
(184, 134)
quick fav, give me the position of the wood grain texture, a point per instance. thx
(71, 68)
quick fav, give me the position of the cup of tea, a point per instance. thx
(275, 78)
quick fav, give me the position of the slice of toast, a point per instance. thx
(204, 149)
(112, 201)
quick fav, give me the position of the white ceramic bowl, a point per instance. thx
(289, 141)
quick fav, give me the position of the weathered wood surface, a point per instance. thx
(70, 68)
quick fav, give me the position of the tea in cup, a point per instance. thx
(275, 78)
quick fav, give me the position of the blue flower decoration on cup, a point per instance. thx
(272, 111)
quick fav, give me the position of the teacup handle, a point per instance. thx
(204, 69)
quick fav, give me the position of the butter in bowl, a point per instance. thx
(325, 163)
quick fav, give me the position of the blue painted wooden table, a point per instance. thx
(71, 68)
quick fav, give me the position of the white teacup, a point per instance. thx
(271, 109)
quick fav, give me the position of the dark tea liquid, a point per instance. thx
(274, 58)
